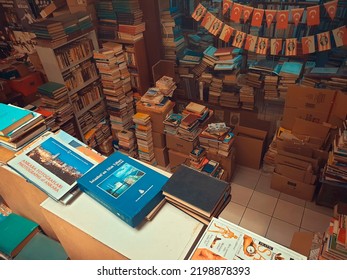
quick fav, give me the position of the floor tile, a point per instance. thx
(263, 203)
(240, 194)
(292, 199)
(255, 221)
(321, 209)
(246, 177)
(315, 221)
(288, 212)
(264, 185)
(281, 232)
(233, 212)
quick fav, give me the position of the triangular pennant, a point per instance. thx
(235, 13)
(276, 46)
(291, 47)
(257, 17)
(296, 15)
(250, 42)
(324, 41)
(208, 20)
(269, 17)
(226, 6)
(331, 8)
(199, 12)
(282, 19)
(340, 36)
(262, 45)
(313, 15)
(216, 27)
(247, 11)
(239, 38)
(308, 45)
(226, 33)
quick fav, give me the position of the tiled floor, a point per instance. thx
(257, 207)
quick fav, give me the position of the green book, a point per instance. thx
(15, 232)
(41, 247)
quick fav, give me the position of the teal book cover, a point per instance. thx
(292, 68)
(126, 187)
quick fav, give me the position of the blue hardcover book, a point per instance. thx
(126, 187)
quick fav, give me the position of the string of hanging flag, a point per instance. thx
(261, 45)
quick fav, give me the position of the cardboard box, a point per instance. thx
(176, 159)
(316, 130)
(292, 187)
(296, 173)
(159, 140)
(27, 85)
(290, 114)
(161, 156)
(180, 145)
(249, 145)
(339, 112)
(89, 9)
(302, 243)
(228, 163)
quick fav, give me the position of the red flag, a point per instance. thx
(226, 6)
(208, 20)
(262, 45)
(340, 36)
(276, 46)
(331, 8)
(323, 41)
(291, 47)
(226, 33)
(250, 42)
(308, 45)
(216, 27)
(199, 12)
(247, 11)
(282, 19)
(296, 15)
(313, 15)
(257, 17)
(269, 16)
(235, 13)
(239, 38)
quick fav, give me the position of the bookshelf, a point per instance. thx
(70, 63)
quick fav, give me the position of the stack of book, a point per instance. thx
(198, 194)
(290, 73)
(229, 64)
(198, 158)
(215, 90)
(153, 96)
(127, 142)
(54, 98)
(19, 126)
(128, 12)
(254, 80)
(172, 123)
(271, 87)
(190, 58)
(209, 58)
(166, 85)
(247, 97)
(189, 127)
(230, 96)
(100, 138)
(131, 33)
(49, 30)
(213, 168)
(107, 24)
(143, 132)
(201, 111)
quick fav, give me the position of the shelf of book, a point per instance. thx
(87, 108)
(87, 83)
(76, 63)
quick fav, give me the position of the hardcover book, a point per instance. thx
(126, 187)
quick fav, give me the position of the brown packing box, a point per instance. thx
(180, 145)
(228, 163)
(176, 159)
(290, 114)
(249, 145)
(157, 117)
(302, 243)
(292, 187)
(295, 173)
(339, 111)
(161, 156)
(316, 130)
(89, 9)
(158, 140)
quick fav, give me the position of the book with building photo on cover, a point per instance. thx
(52, 165)
(126, 187)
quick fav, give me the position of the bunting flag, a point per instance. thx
(226, 33)
(296, 15)
(269, 17)
(313, 15)
(235, 13)
(276, 46)
(216, 27)
(340, 36)
(282, 19)
(262, 45)
(247, 11)
(239, 38)
(291, 47)
(250, 42)
(226, 6)
(257, 17)
(208, 20)
(331, 8)
(199, 12)
(323, 41)
(308, 45)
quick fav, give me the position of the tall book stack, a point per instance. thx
(215, 90)
(107, 27)
(127, 142)
(128, 11)
(143, 132)
(230, 96)
(271, 87)
(54, 98)
(247, 97)
(290, 73)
